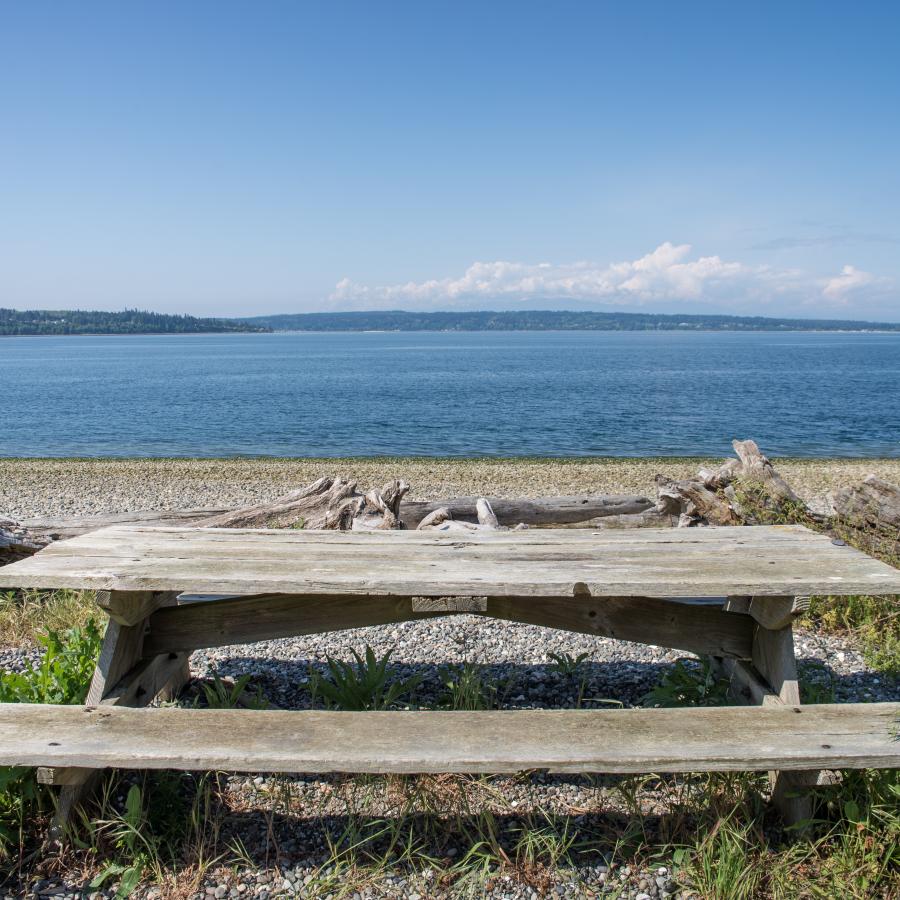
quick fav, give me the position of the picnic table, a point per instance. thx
(727, 593)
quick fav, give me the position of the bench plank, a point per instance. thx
(613, 741)
(763, 561)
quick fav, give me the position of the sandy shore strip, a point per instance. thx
(60, 487)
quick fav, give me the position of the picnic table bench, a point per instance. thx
(169, 591)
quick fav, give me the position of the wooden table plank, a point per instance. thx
(615, 741)
(758, 561)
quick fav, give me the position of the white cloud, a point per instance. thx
(666, 275)
(851, 279)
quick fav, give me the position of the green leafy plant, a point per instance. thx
(222, 695)
(566, 664)
(20, 794)
(133, 840)
(149, 832)
(62, 675)
(816, 683)
(369, 684)
(694, 686)
(571, 667)
(466, 688)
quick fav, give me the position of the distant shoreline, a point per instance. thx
(96, 323)
(276, 331)
(555, 320)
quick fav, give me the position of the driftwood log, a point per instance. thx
(692, 502)
(873, 504)
(384, 507)
(337, 503)
(312, 506)
(710, 498)
(18, 542)
(326, 503)
(57, 528)
(534, 512)
(442, 520)
(330, 503)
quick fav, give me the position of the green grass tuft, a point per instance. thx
(26, 615)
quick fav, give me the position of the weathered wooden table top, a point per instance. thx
(713, 562)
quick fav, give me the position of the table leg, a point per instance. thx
(121, 678)
(773, 657)
(770, 679)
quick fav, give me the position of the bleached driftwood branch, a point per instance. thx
(442, 520)
(337, 503)
(531, 511)
(324, 501)
(18, 542)
(873, 504)
(710, 498)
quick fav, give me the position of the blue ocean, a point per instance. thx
(451, 394)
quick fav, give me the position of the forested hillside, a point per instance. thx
(548, 320)
(131, 321)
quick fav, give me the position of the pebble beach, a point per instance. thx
(516, 657)
(61, 487)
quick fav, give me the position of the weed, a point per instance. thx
(466, 688)
(567, 665)
(547, 845)
(27, 615)
(63, 675)
(21, 798)
(694, 686)
(128, 833)
(724, 864)
(222, 695)
(816, 682)
(370, 684)
(860, 848)
(167, 819)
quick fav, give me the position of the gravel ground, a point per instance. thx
(288, 851)
(60, 487)
(517, 655)
(514, 656)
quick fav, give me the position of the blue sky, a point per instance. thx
(240, 158)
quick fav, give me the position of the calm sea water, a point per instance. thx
(523, 393)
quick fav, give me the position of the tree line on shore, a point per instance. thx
(549, 320)
(130, 321)
(135, 321)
